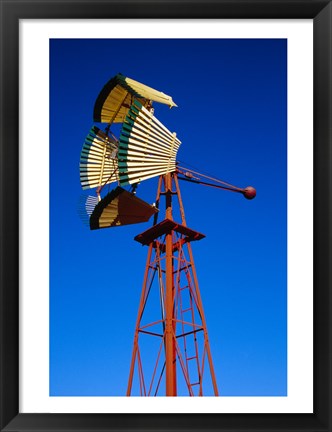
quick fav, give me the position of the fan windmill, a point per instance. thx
(170, 313)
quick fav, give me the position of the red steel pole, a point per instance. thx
(169, 319)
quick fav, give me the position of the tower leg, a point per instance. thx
(200, 306)
(138, 320)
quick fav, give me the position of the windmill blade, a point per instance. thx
(118, 208)
(98, 162)
(147, 92)
(85, 207)
(146, 147)
(118, 94)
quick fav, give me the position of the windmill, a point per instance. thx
(170, 319)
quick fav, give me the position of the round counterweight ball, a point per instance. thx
(249, 192)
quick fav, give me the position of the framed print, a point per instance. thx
(241, 319)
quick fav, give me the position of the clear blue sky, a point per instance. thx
(232, 121)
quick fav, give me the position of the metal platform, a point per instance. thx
(165, 227)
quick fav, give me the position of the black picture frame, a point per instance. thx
(14, 10)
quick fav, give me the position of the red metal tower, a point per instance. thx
(182, 356)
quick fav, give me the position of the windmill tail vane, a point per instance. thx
(170, 314)
(188, 174)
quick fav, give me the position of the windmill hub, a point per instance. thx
(249, 192)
